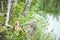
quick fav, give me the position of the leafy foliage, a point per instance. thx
(17, 35)
(37, 11)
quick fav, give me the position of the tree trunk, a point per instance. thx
(28, 3)
(0, 5)
(13, 3)
(8, 12)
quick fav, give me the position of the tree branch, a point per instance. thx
(28, 23)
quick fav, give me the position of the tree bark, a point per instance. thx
(0, 5)
(13, 3)
(8, 12)
(28, 3)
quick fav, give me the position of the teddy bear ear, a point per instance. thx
(16, 22)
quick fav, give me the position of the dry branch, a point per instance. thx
(28, 23)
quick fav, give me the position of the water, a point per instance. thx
(55, 25)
